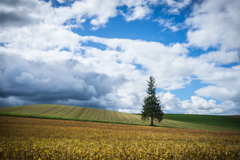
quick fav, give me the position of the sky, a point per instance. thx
(100, 54)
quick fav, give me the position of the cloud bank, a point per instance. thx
(44, 61)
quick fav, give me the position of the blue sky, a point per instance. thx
(100, 53)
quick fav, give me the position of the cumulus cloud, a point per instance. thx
(18, 13)
(220, 93)
(168, 24)
(23, 12)
(12, 101)
(49, 82)
(221, 57)
(225, 84)
(215, 23)
(43, 61)
(61, 1)
(173, 69)
(168, 64)
(138, 12)
(156, 58)
(197, 105)
(100, 11)
(176, 6)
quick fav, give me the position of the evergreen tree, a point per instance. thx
(152, 106)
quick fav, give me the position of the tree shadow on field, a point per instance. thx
(154, 126)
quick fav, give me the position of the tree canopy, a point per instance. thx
(152, 107)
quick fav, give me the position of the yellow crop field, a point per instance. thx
(32, 138)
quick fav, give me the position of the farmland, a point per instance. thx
(71, 112)
(33, 138)
(98, 115)
(222, 121)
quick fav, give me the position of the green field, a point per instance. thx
(222, 121)
(99, 115)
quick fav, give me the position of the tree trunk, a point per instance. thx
(152, 120)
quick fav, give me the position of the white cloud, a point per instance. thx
(176, 6)
(20, 13)
(215, 23)
(173, 70)
(168, 64)
(25, 12)
(12, 101)
(225, 84)
(100, 11)
(220, 93)
(46, 59)
(170, 102)
(61, 1)
(138, 12)
(197, 105)
(168, 23)
(129, 111)
(156, 58)
(40, 37)
(221, 57)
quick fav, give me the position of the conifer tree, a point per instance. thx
(152, 106)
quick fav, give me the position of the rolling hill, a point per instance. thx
(223, 121)
(99, 115)
(71, 112)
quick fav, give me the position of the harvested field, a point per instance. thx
(72, 112)
(32, 138)
(90, 114)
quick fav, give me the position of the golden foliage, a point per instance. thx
(31, 138)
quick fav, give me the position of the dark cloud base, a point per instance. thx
(29, 82)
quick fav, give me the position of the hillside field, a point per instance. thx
(99, 115)
(34, 138)
(223, 121)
